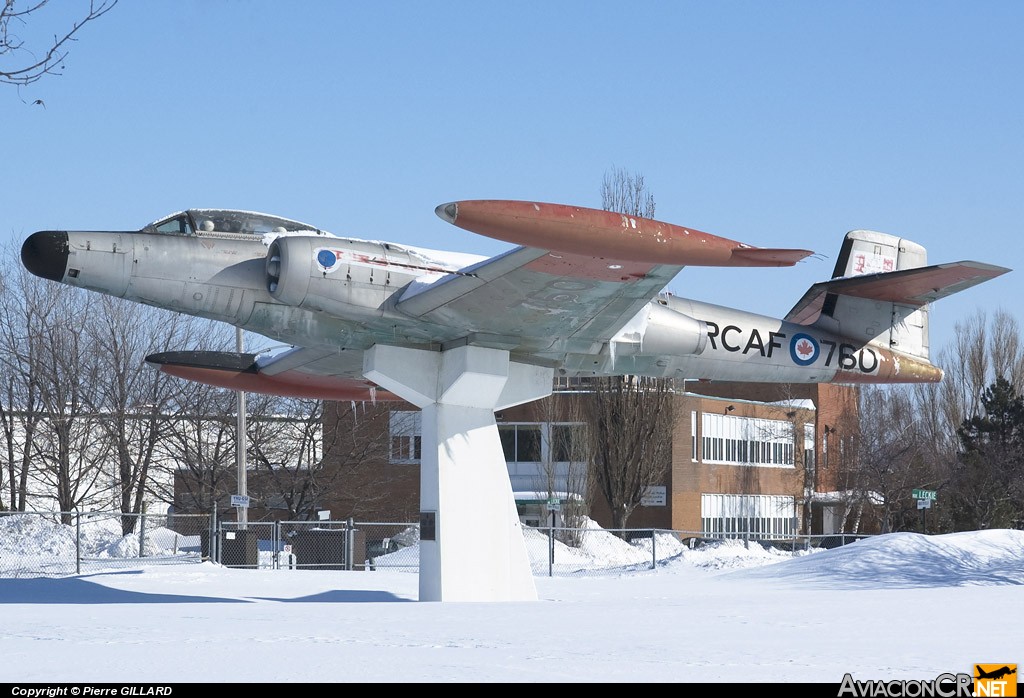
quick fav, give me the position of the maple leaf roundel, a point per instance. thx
(803, 349)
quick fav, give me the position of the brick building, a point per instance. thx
(744, 458)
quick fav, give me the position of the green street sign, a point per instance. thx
(924, 494)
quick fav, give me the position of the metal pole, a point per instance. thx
(551, 546)
(78, 542)
(275, 535)
(243, 512)
(350, 542)
(213, 535)
(654, 553)
(142, 531)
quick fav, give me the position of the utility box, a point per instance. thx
(326, 549)
(239, 549)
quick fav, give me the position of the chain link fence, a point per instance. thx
(562, 552)
(59, 543)
(54, 544)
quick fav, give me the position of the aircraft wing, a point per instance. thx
(535, 293)
(526, 298)
(578, 278)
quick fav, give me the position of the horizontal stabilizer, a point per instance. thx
(910, 287)
(299, 373)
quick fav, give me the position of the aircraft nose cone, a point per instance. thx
(45, 254)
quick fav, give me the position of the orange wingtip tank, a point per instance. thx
(605, 234)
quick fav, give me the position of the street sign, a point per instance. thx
(924, 494)
(240, 500)
(554, 504)
(924, 504)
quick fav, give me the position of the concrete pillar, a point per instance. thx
(477, 552)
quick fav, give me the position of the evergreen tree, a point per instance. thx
(987, 487)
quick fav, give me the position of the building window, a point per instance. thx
(693, 436)
(520, 442)
(809, 447)
(747, 515)
(567, 442)
(406, 442)
(748, 441)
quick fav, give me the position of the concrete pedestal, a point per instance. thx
(477, 551)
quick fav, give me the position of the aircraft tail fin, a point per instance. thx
(881, 289)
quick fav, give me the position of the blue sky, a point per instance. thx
(778, 124)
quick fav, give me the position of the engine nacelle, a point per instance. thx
(344, 277)
(667, 332)
(289, 268)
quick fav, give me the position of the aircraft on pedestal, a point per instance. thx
(460, 336)
(582, 294)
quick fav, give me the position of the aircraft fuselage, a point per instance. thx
(337, 293)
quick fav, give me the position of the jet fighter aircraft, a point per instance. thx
(582, 293)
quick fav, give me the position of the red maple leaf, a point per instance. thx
(804, 348)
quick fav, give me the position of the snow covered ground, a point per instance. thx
(900, 606)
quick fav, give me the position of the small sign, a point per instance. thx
(240, 500)
(428, 525)
(924, 494)
(554, 504)
(654, 496)
(924, 504)
(324, 514)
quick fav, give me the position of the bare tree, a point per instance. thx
(20, 409)
(286, 453)
(133, 396)
(354, 476)
(66, 372)
(983, 350)
(28, 53)
(626, 192)
(890, 456)
(986, 348)
(196, 454)
(629, 418)
(563, 471)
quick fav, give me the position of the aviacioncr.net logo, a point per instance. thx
(942, 686)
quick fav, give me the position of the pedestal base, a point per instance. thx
(477, 552)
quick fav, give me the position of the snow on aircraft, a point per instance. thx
(582, 294)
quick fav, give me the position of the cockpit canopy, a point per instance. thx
(214, 220)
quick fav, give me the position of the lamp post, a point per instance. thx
(240, 440)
